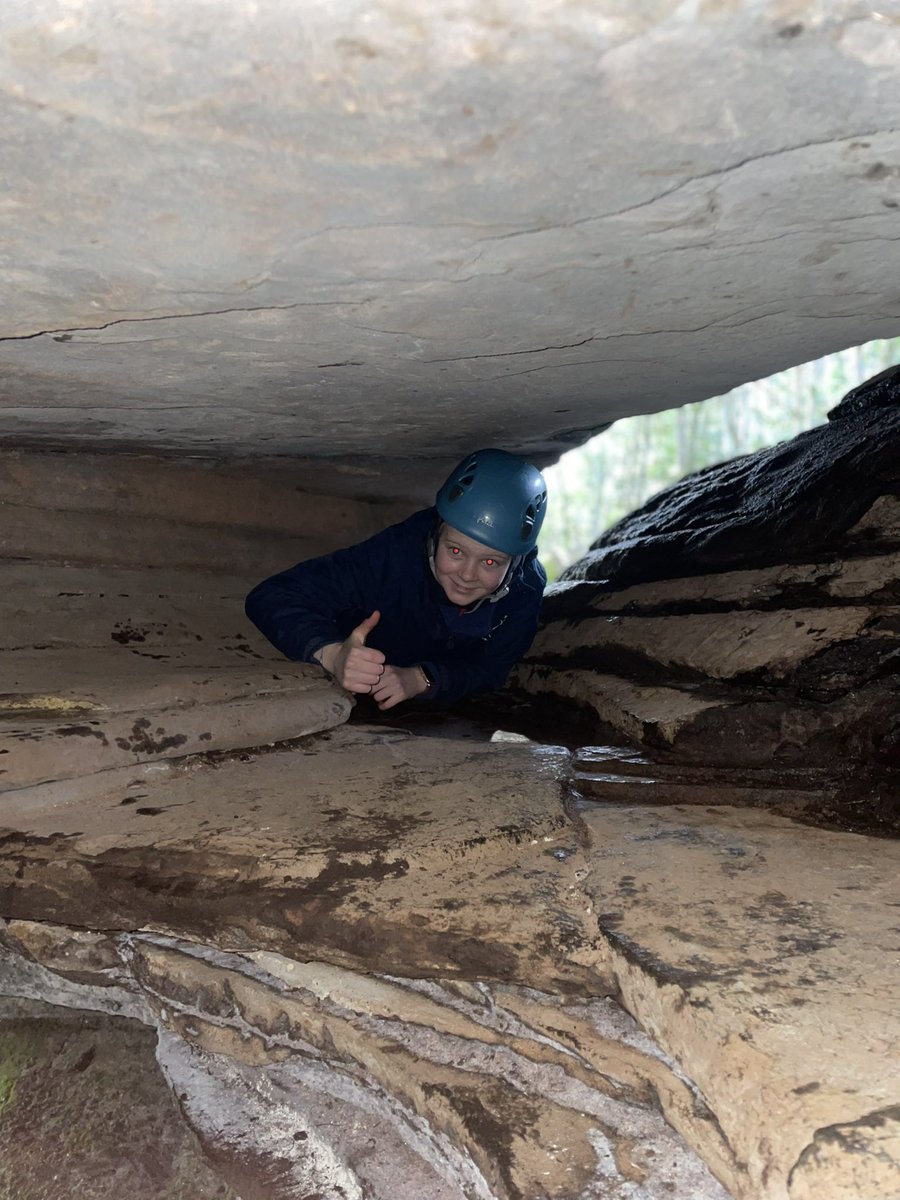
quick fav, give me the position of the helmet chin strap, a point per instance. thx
(502, 588)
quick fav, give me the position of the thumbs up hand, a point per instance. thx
(362, 631)
(355, 666)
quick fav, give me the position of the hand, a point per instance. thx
(355, 666)
(398, 684)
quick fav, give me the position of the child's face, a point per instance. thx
(466, 570)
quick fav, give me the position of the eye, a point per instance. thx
(454, 550)
(490, 562)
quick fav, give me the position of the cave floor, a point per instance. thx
(86, 1112)
(433, 917)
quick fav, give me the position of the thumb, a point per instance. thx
(362, 631)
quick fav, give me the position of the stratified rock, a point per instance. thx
(723, 672)
(795, 502)
(368, 849)
(116, 710)
(782, 676)
(301, 1077)
(753, 949)
(362, 852)
(373, 952)
(108, 666)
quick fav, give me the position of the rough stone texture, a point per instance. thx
(831, 490)
(86, 1112)
(363, 920)
(363, 846)
(115, 711)
(816, 724)
(777, 684)
(379, 232)
(349, 242)
(302, 1078)
(746, 980)
(121, 617)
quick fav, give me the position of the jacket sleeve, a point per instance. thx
(484, 666)
(298, 609)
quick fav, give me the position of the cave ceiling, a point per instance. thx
(363, 234)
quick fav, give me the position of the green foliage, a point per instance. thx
(616, 472)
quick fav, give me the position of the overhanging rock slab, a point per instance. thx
(455, 227)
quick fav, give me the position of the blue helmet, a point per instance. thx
(496, 498)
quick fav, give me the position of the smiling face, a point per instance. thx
(466, 570)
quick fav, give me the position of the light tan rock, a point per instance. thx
(437, 1081)
(718, 646)
(846, 578)
(851, 1160)
(147, 511)
(790, 665)
(761, 956)
(82, 955)
(113, 711)
(50, 607)
(881, 521)
(524, 1146)
(635, 712)
(366, 848)
(757, 954)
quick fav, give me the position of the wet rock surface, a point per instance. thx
(397, 960)
(375, 957)
(773, 683)
(364, 843)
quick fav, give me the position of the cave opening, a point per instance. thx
(619, 470)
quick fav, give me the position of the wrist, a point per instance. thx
(426, 678)
(326, 656)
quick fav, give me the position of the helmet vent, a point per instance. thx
(460, 486)
(527, 523)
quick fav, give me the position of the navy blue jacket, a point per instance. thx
(324, 599)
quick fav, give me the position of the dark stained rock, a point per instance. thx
(87, 1112)
(791, 503)
(747, 621)
(273, 936)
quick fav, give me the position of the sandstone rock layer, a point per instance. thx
(434, 934)
(746, 622)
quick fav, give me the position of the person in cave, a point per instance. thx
(434, 608)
